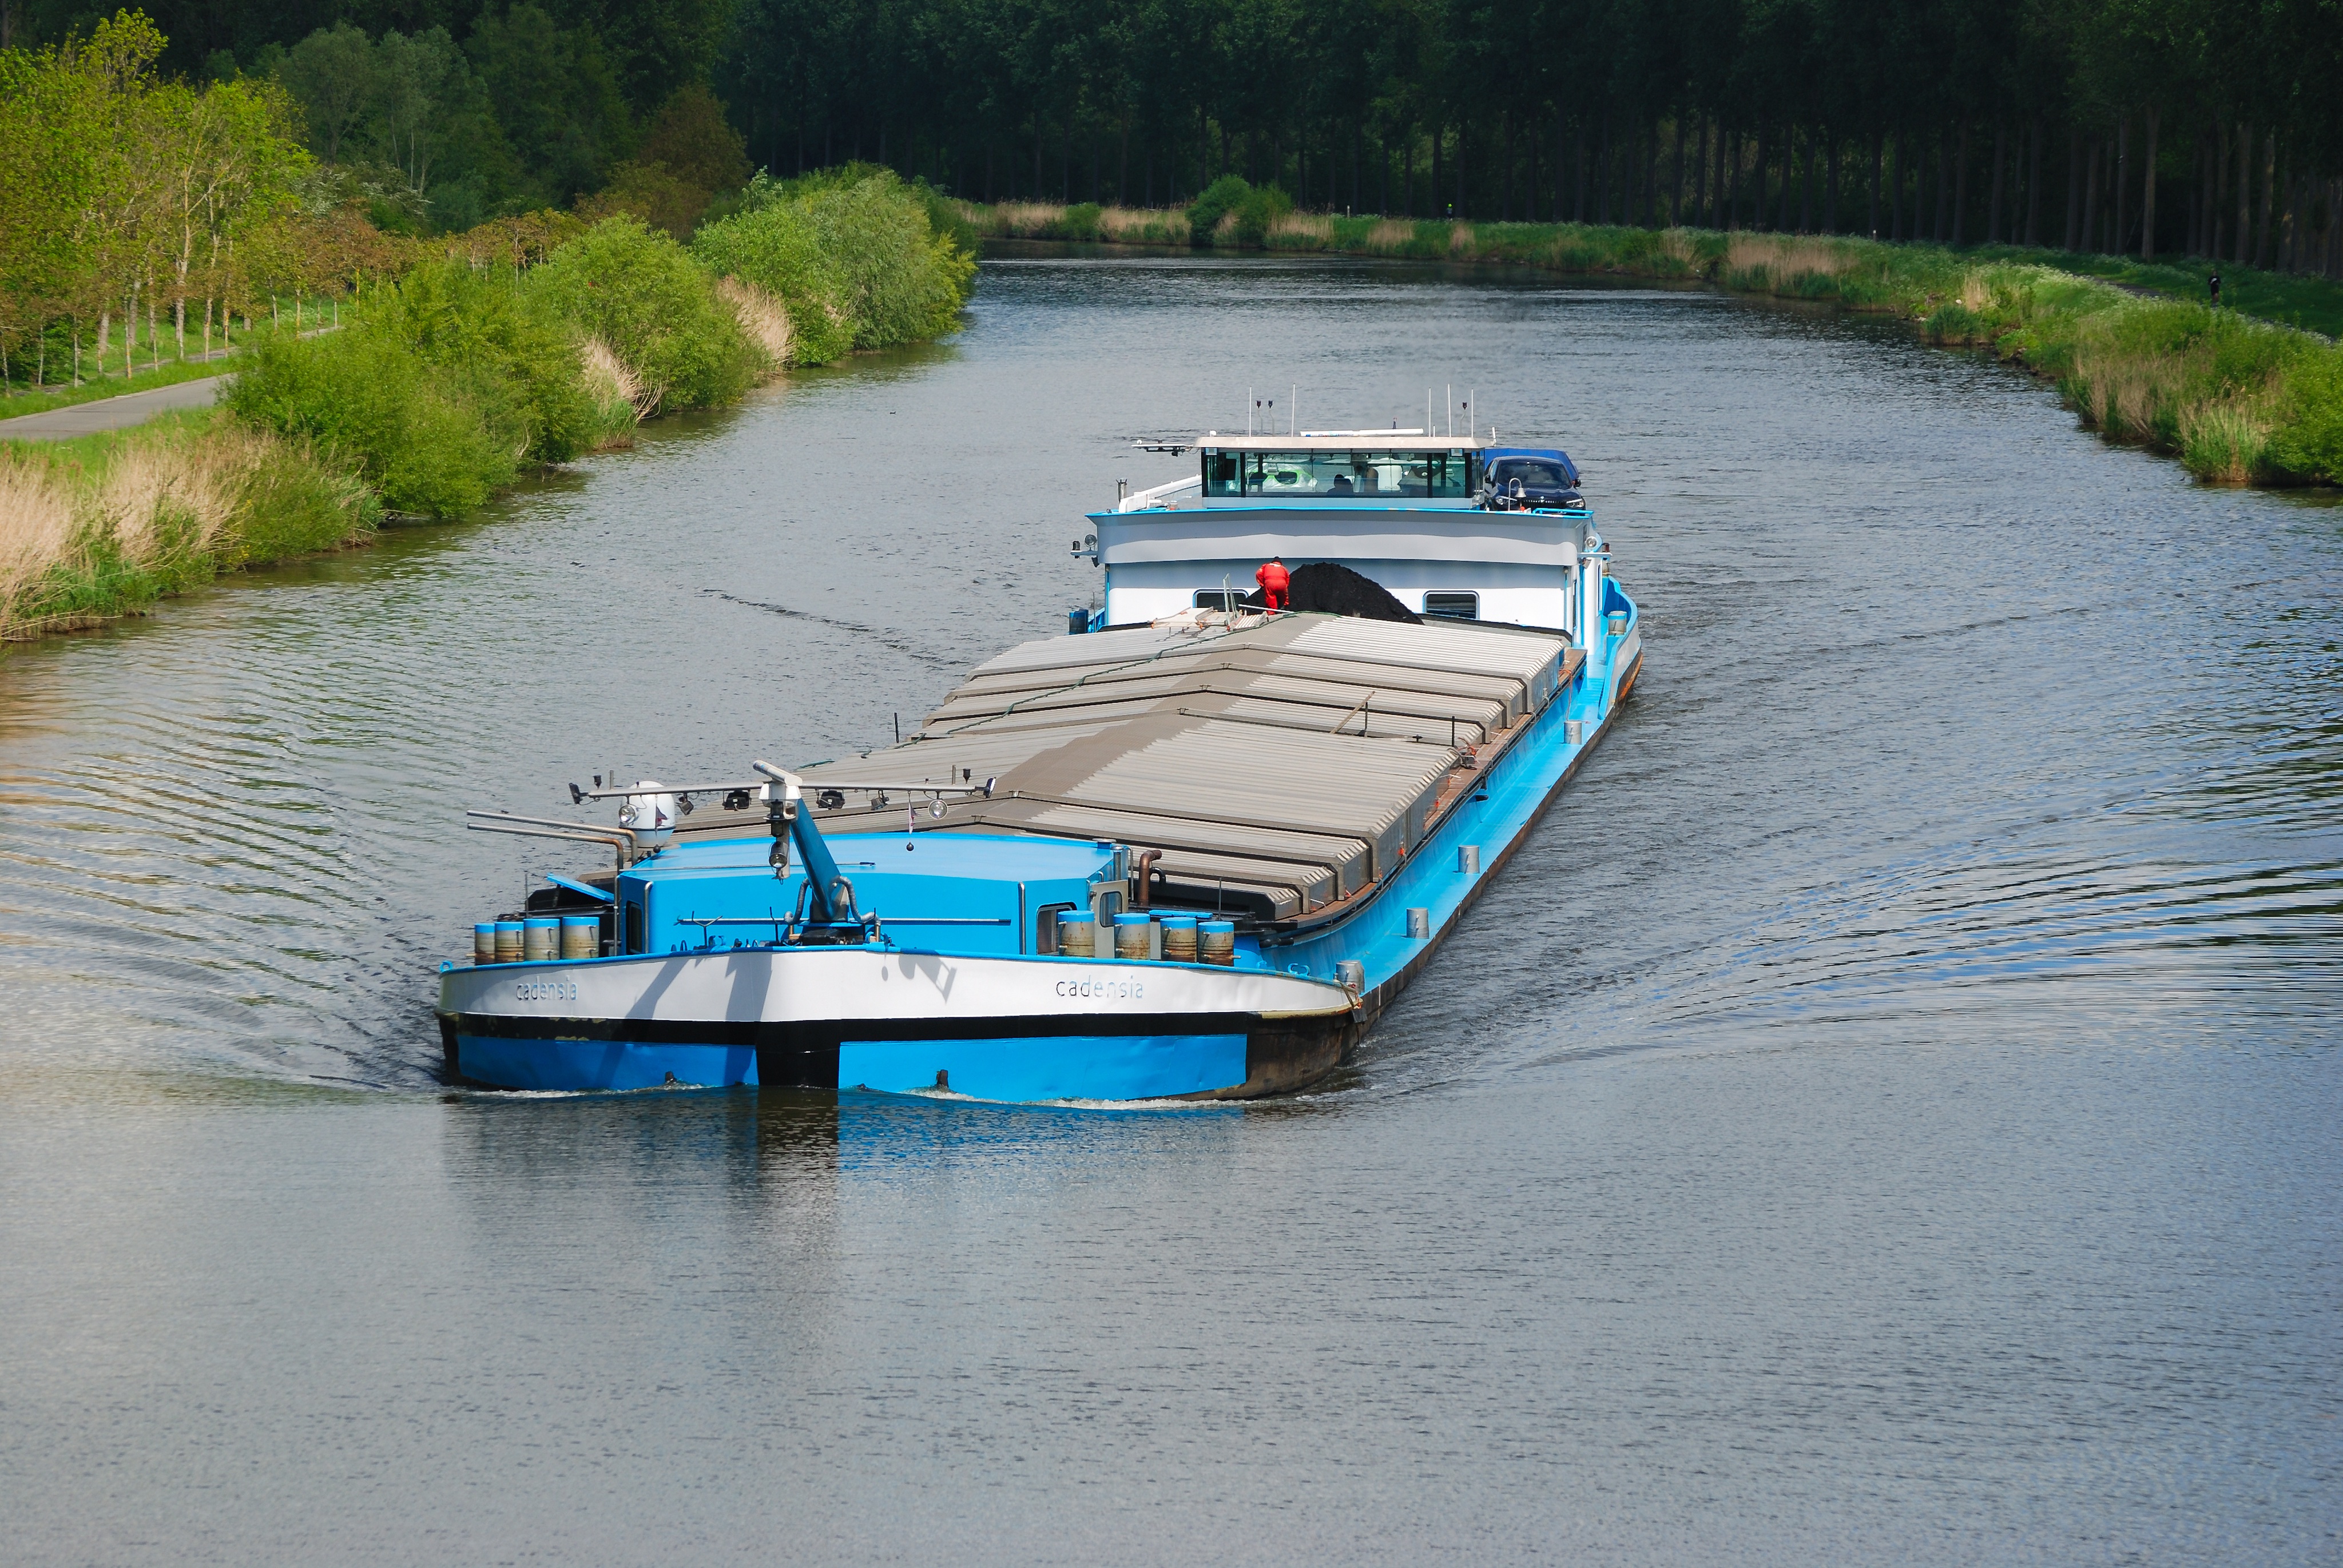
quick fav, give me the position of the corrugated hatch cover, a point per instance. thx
(1278, 768)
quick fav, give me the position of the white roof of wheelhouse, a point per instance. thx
(1344, 441)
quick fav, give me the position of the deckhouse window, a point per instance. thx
(1342, 476)
(1452, 606)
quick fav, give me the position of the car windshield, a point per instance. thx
(1534, 474)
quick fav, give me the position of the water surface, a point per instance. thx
(1886, 1113)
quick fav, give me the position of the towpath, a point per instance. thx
(111, 413)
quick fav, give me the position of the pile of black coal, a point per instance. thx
(1323, 587)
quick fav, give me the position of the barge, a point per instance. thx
(1190, 850)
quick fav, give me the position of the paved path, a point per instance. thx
(111, 413)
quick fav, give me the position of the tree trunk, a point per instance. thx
(2264, 250)
(1560, 163)
(1871, 222)
(2074, 189)
(1757, 208)
(2245, 255)
(1647, 138)
(1439, 134)
(2122, 235)
(1895, 188)
(1993, 208)
(1704, 202)
(1505, 185)
(2147, 191)
(1602, 170)
(1830, 197)
(1676, 184)
(2033, 181)
(1960, 182)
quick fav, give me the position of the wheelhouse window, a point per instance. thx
(1452, 606)
(1342, 476)
(1219, 598)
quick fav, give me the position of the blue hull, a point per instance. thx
(1031, 1068)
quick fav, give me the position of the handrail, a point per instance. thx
(1139, 500)
(621, 840)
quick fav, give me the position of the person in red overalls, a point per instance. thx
(1275, 583)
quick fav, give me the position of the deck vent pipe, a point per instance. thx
(582, 936)
(1616, 622)
(1179, 939)
(1468, 858)
(1216, 942)
(1418, 924)
(1077, 935)
(484, 942)
(508, 941)
(1132, 938)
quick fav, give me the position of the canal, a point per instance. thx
(1887, 1112)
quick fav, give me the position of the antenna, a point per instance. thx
(1451, 410)
(1251, 403)
(1294, 409)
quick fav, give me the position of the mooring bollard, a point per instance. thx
(1419, 923)
(1468, 858)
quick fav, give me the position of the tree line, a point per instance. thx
(2143, 126)
(2131, 125)
(130, 194)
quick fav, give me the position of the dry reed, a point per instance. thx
(1313, 225)
(763, 318)
(37, 528)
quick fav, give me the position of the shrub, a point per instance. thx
(1079, 221)
(2306, 445)
(1955, 324)
(1259, 213)
(904, 281)
(366, 397)
(516, 359)
(643, 294)
(1219, 198)
(778, 249)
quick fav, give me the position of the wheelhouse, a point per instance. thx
(1355, 467)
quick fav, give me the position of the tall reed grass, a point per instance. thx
(105, 525)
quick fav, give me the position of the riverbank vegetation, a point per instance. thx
(2239, 400)
(381, 371)
(105, 525)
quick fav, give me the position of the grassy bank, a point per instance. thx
(2136, 352)
(104, 526)
(444, 385)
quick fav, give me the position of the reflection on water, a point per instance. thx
(1885, 1112)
